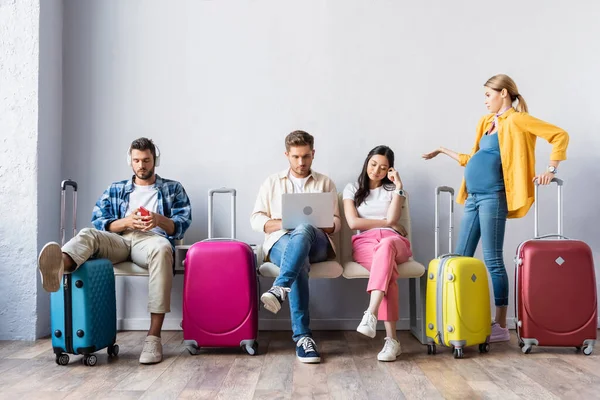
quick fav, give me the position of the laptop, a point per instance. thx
(315, 209)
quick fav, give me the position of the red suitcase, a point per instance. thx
(220, 291)
(555, 290)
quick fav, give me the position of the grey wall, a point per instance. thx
(219, 84)
(50, 140)
(19, 52)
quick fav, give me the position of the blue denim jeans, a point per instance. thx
(485, 218)
(293, 253)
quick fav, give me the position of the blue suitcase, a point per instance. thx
(83, 312)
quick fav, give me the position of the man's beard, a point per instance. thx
(147, 175)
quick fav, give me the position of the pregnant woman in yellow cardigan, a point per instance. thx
(499, 180)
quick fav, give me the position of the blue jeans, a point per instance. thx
(293, 253)
(485, 218)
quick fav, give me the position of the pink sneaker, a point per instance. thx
(499, 334)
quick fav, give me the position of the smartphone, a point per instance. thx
(144, 212)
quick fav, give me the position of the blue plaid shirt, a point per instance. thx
(173, 203)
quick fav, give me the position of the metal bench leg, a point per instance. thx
(417, 288)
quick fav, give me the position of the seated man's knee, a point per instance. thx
(91, 232)
(162, 251)
(305, 229)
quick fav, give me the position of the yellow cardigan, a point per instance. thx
(517, 133)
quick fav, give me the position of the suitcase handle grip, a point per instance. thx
(441, 189)
(63, 189)
(211, 193)
(558, 181)
(438, 190)
(536, 226)
(68, 182)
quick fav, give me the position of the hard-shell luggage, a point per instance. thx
(555, 289)
(220, 290)
(83, 312)
(458, 296)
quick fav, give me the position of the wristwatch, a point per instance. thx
(552, 169)
(400, 192)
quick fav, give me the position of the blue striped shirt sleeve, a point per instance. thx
(181, 211)
(103, 214)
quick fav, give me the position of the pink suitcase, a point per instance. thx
(555, 290)
(220, 290)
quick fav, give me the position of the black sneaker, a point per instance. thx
(273, 298)
(306, 351)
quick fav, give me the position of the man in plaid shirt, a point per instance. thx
(138, 219)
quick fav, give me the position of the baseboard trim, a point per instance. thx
(173, 324)
(266, 324)
(142, 324)
(349, 324)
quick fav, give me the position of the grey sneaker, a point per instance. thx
(499, 334)
(51, 266)
(152, 350)
(273, 298)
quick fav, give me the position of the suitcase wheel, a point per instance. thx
(90, 360)
(484, 347)
(252, 350)
(526, 349)
(193, 350)
(113, 350)
(431, 349)
(458, 352)
(587, 350)
(62, 359)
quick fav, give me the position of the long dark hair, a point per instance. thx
(363, 179)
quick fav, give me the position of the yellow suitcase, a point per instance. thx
(458, 297)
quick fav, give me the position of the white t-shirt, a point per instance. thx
(375, 206)
(298, 182)
(146, 196)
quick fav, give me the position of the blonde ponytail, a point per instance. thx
(521, 105)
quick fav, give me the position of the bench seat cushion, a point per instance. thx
(409, 269)
(326, 269)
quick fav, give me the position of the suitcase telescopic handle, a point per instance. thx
(536, 227)
(211, 193)
(63, 188)
(438, 191)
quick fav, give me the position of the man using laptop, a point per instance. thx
(294, 250)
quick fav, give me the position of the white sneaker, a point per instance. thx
(51, 266)
(391, 350)
(274, 297)
(152, 351)
(368, 325)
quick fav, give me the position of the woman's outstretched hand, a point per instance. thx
(429, 156)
